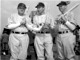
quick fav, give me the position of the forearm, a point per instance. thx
(34, 28)
(70, 25)
(12, 26)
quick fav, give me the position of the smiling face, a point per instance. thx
(21, 11)
(63, 8)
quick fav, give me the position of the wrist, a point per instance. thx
(64, 22)
(19, 23)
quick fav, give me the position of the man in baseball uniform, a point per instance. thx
(19, 24)
(65, 40)
(43, 39)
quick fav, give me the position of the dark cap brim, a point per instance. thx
(40, 4)
(37, 6)
(21, 6)
(62, 4)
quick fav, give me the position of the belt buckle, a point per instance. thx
(65, 31)
(41, 32)
(24, 33)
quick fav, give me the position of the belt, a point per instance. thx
(43, 32)
(19, 32)
(63, 32)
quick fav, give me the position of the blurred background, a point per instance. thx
(8, 7)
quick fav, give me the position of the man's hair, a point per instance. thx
(63, 3)
(21, 5)
(40, 4)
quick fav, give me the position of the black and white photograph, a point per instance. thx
(40, 30)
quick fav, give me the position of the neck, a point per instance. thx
(38, 13)
(63, 12)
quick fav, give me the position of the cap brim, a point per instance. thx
(61, 5)
(36, 6)
(58, 4)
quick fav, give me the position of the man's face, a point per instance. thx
(63, 8)
(21, 11)
(40, 9)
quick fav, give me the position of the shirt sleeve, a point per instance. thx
(11, 23)
(11, 20)
(71, 21)
(31, 26)
(71, 18)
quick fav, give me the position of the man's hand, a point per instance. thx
(63, 19)
(45, 27)
(23, 22)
